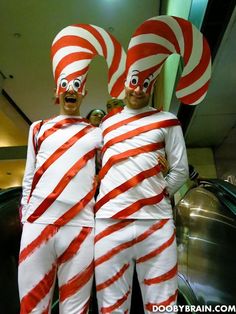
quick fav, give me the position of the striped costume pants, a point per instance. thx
(47, 252)
(119, 245)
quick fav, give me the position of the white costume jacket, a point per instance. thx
(58, 184)
(132, 184)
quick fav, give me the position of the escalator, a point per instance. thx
(206, 237)
(10, 233)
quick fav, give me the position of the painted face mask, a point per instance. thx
(158, 38)
(73, 49)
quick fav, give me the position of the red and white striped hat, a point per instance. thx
(73, 49)
(158, 38)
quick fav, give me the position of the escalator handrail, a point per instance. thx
(6, 194)
(225, 192)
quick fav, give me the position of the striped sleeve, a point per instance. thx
(29, 170)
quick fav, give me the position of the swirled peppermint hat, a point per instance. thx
(73, 49)
(158, 38)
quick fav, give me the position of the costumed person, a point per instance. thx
(134, 220)
(58, 185)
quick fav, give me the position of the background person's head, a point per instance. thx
(114, 103)
(95, 116)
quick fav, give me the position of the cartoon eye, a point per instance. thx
(64, 83)
(146, 83)
(76, 84)
(134, 80)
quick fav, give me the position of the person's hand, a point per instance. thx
(164, 164)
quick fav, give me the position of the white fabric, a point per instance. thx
(121, 249)
(174, 150)
(44, 259)
(76, 189)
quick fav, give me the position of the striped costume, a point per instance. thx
(58, 215)
(134, 221)
(58, 187)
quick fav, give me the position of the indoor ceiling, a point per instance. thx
(27, 29)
